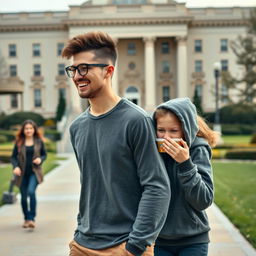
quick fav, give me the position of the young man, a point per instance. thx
(125, 192)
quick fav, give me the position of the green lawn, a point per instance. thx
(235, 194)
(6, 172)
(236, 139)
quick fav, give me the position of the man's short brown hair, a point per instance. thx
(99, 42)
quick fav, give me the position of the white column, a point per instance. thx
(115, 76)
(150, 78)
(182, 76)
(75, 100)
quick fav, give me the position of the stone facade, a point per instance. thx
(165, 51)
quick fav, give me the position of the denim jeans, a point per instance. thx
(28, 189)
(186, 250)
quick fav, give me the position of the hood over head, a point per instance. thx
(186, 112)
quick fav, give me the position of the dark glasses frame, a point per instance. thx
(71, 70)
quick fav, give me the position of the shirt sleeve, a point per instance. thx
(154, 203)
(14, 157)
(195, 177)
(43, 154)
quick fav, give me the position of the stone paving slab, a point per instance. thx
(56, 221)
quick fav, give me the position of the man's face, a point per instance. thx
(93, 83)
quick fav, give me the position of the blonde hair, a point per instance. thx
(204, 130)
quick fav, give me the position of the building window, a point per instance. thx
(198, 45)
(131, 65)
(224, 45)
(224, 93)
(37, 98)
(12, 50)
(37, 70)
(131, 49)
(14, 100)
(224, 65)
(13, 70)
(61, 69)
(166, 93)
(60, 46)
(198, 66)
(165, 66)
(165, 47)
(36, 50)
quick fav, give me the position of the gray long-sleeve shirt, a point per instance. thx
(125, 191)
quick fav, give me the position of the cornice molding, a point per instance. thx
(65, 24)
(33, 27)
(128, 21)
(217, 23)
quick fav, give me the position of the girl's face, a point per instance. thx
(169, 126)
(29, 130)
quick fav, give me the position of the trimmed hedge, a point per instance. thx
(52, 134)
(10, 135)
(235, 129)
(18, 118)
(3, 138)
(235, 114)
(241, 154)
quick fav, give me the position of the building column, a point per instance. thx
(150, 77)
(182, 75)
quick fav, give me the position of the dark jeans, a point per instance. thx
(186, 250)
(28, 189)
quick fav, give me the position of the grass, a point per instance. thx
(235, 194)
(236, 139)
(6, 171)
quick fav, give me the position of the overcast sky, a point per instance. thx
(55, 5)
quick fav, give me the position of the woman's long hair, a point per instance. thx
(20, 138)
(206, 132)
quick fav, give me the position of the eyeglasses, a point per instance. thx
(82, 69)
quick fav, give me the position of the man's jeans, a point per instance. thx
(28, 189)
(189, 250)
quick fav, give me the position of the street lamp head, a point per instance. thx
(217, 66)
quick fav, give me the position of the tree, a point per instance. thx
(245, 50)
(61, 108)
(197, 101)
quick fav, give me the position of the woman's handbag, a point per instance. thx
(9, 197)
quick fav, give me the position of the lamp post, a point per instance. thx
(217, 69)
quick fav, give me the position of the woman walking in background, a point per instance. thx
(27, 157)
(187, 141)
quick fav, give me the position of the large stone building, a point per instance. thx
(166, 50)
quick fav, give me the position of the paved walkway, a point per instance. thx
(56, 221)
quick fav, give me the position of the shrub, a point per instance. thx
(253, 139)
(234, 129)
(52, 134)
(49, 123)
(241, 154)
(234, 114)
(5, 156)
(3, 139)
(10, 135)
(19, 117)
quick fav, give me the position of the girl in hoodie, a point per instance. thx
(185, 232)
